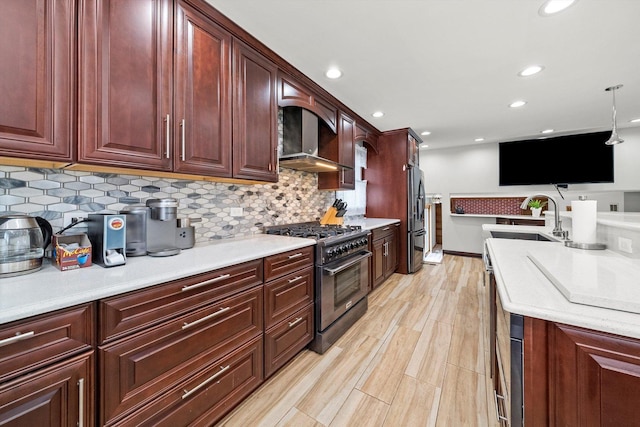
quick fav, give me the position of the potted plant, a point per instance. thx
(536, 206)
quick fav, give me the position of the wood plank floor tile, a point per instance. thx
(459, 404)
(445, 307)
(360, 409)
(429, 358)
(415, 404)
(382, 377)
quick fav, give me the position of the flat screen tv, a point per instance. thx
(571, 159)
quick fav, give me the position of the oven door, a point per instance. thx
(340, 285)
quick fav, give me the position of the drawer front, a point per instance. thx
(32, 343)
(285, 340)
(287, 262)
(286, 295)
(382, 232)
(134, 311)
(136, 369)
(205, 397)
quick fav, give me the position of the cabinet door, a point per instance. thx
(413, 151)
(378, 262)
(344, 179)
(125, 69)
(255, 132)
(392, 255)
(38, 95)
(202, 125)
(593, 378)
(61, 395)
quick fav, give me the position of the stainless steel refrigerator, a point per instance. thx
(415, 220)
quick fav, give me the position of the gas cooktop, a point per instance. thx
(313, 230)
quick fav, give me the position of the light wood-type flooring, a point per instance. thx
(418, 357)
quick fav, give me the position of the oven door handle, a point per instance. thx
(351, 262)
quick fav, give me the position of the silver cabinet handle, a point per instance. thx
(17, 337)
(298, 255)
(205, 318)
(295, 279)
(295, 322)
(81, 402)
(168, 130)
(182, 124)
(205, 283)
(188, 393)
(385, 229)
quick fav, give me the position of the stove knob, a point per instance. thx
(330, 253)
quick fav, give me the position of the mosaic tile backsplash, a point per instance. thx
(58, 195)
(490, 205)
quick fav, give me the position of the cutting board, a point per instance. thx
(596, 278)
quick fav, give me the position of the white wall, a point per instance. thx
(473, 170)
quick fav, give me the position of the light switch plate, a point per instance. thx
(625, 245)
(236, 212)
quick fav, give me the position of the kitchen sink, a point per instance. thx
(521, 236)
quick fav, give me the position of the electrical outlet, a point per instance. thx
(236, 212)
(68, 217)
(624, 245)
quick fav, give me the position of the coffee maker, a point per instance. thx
(107, 233)
(162, 217)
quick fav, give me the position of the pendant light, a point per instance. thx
(614, 139)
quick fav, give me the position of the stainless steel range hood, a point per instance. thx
(300, 142)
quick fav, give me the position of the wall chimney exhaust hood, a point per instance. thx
(301, 136)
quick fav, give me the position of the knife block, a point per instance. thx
(330, 218)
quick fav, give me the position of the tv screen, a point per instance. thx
(571, 159)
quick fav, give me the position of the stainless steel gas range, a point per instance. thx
(341, 276)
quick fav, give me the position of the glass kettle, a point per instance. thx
(23, 239)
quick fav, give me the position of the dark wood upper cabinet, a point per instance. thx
(344, 179)
(126, 77)
(37, 64)
(364, 134)
(291, 93)
(202, 124)
(255, 110)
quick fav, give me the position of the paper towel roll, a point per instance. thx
(583, 213)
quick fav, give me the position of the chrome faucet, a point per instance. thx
(557, 230)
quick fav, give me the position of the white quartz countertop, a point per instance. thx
(51, 289)
(371, 223)
(525, 289)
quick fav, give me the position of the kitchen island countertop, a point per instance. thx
(524, 289)
(50, 289)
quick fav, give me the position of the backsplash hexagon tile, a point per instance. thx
(53, 193)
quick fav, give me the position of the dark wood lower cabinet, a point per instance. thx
(580, 377)
(384, 246)
(59, 395)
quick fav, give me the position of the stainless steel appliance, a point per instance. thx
(341, 277)
(23, 239)
(162, 221)
(415, 219)
(108, 235)
(506, 332)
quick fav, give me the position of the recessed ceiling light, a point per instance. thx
(333, 73)
(378, 114)
(531, 70)
(479, 139)
(425, 133)
(635, 120)
(547, 131)
(551, 7)
(517, 104)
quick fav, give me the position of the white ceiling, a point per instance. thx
(450, 66)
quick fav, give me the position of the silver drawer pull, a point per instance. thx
(298, 255)
(295, 322)
(295, 279)
(81, 402)
(206, 282)
(168, 130)
(188, 393)
(385, 229)
(17, 337)
(205, 318)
